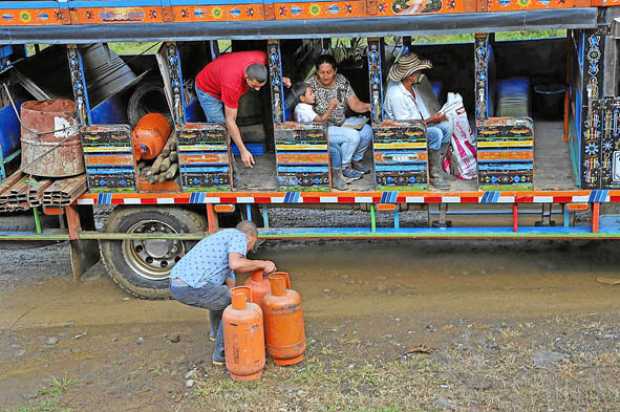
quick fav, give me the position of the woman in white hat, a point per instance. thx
(408, 99)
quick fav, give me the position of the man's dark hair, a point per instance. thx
(326, 58)
(257, 72)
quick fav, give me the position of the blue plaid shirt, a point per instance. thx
(207, 262)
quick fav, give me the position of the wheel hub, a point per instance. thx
(158, 248)
(152, 258)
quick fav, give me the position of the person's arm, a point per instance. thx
(230, 282)
(239, 263)
(230, 115)
(322, 118)
(357, 105)
(436, 118)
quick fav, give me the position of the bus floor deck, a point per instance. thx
(552, 164)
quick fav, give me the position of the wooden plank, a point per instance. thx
(73, 222)
(10, 181)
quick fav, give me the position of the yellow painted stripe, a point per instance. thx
(512, 143)
(388, 146)
(301, 147)
(106, 149)
(202, 147)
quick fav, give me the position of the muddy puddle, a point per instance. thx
(363, 301)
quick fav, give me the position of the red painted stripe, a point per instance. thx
(562, 199)
(470, 199)
(181, 200)
(228, 200)
(312, 199)
(524, 199)
(147, 201)
(117, 201)
(432, 199)
(346, 199)
(262, 199)
(614, 198)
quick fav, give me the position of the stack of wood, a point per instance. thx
(63, 192)
(14, 193)
(165, 166)
(21, 192)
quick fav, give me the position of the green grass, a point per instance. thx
(57, 386)
(530, 35)
(49, 397)
(134, 48)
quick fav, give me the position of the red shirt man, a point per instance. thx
(221, 83)
(225, 77)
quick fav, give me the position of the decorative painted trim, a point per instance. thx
(375, 79)
(481, 80)
(592, 123)
(275, 75)
(78, 84)
(172, 58)
(518, 5)
(479, 197)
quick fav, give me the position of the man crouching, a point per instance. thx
(205, 275)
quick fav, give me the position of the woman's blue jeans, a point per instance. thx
(347, 144)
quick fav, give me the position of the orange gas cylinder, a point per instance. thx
(284, 322)
(149, 136)
(259, 285)
(244, 339)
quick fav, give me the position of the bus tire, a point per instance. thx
(141, 268)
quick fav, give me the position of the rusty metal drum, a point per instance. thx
(50, 139)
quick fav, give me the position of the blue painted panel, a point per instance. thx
(109, 111)
(193, 112)
(506, 166)
(9, 129)
(6, 51)
(109, 170)
(190, 169)
(456, 231)
(401, 168)
(257, 149)
(610, 223)
(303, 169)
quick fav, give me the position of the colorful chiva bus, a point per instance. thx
(538, 79)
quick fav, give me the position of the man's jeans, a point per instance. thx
(438, 135)
(212, 107)
(212, 297)
(350, 143)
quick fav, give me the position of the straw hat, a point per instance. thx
(406, 66)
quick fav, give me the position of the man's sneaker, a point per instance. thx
(218, 360)
(211, 338)
(360, 167)
(351, 173)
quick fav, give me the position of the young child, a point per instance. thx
(304, 113)
(304, 110)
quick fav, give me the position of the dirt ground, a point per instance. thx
(391, 326)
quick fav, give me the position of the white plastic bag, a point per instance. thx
(461, 160)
